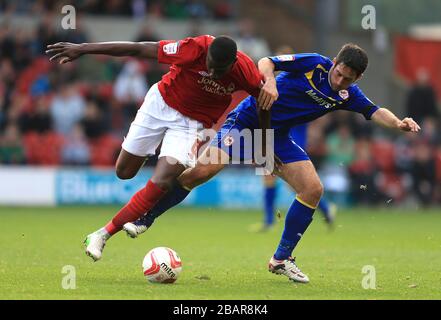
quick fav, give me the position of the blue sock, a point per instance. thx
(324, 208)
(270, 197)
(298, 218)
(175, 196)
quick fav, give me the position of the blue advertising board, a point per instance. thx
(232, 188)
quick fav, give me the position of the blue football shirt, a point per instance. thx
(305, 93)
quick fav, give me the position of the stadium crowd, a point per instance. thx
(172, 9)
(78, 113)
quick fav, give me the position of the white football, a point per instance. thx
(162, 265)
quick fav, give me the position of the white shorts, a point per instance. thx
(156, 122)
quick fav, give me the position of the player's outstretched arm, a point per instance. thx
(268, 93)
(66, 51)
(387, 119)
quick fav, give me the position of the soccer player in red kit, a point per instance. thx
(204, 73)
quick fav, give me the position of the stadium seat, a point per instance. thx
(43, 149)
(30, 74)
(392, 186)
(105, 90)
(384, 155)
(104, 150)
(438, 165)
(83, 88)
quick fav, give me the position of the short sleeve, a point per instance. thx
(180, 52)
(358, 102)
(251, 77)
(302, 62)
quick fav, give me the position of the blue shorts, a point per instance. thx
(299, 134)
(236, 137)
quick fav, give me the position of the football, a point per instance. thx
(161, 265)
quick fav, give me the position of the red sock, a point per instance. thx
(139, 204)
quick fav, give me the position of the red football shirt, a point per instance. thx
(187, 87)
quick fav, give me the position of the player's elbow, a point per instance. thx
(265, 61)
(147, 50)
(379, 114)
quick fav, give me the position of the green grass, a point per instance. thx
(221, 258)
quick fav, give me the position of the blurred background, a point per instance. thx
(61, 127)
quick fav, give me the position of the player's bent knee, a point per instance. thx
(164, 183)
(316, 191)
(312, 193)
(124, 173)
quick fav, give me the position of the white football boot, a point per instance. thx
(95, 243)
(288, 268)
(133, 229)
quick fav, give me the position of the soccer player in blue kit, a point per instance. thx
(299, 134)
(309, 86)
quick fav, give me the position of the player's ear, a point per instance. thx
(334, 60)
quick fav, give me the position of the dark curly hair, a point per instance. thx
(354, 57)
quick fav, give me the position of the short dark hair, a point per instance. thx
(223, 50)
(354, 57)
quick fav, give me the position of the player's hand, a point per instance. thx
(65, 51)
(278, 164)
(268, 94)
(408, 124)
(273, 166)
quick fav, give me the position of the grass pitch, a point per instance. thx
(221, 258)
